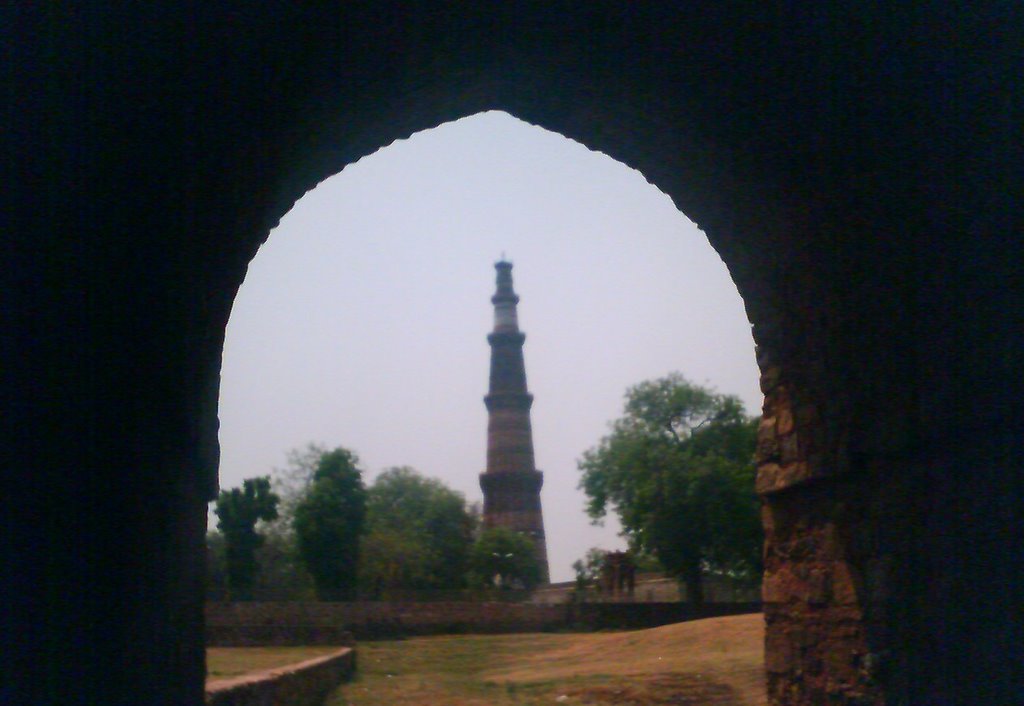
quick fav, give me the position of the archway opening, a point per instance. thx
(363, 319)
(869, 247)
(362, 322)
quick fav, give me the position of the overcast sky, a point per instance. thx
(363, 320)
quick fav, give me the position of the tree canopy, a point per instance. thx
(238, 510)
(678, 469)
(588, 569)
(506, 559)
(419, 533)
(332, 537)
(328, 523)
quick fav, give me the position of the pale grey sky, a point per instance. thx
(362, 321)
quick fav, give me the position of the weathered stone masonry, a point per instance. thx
(817, 648)
(307, 683)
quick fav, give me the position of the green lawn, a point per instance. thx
(716, 662)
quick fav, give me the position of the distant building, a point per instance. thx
(618, 574)
(511, 484)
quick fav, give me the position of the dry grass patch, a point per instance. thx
(227, 662)
(729, 650)
(710, 662)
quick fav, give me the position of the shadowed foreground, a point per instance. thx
(718, 661)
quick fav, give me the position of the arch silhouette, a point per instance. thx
(857, 170)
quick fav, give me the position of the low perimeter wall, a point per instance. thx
(252, 624)
(303, 684)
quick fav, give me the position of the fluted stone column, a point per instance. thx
(511, 484)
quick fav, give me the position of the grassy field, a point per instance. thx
(714, 662)
(227, 662)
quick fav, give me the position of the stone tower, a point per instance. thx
(511, 484)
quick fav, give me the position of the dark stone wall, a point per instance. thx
(255, 624)
(858, 169)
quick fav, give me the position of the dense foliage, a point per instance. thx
(238, 510)
(419, 533)
(332, 538)
(328, 523)
(588, 569)
(678, 469)
(505, 559)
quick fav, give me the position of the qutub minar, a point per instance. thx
(511, 484)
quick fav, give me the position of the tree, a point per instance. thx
(238, 511)
(292, 482)
(283, 575)
(419, 533)
(505, 558)
(391, 559)
(588, 571)
(678, 469)
(328, 523)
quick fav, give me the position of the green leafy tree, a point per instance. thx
(238, 510)
(505, 558)
(328, 523)
(419, 533)
(588, 569)
(283, 576)
(391, 559)
(678, 469)
(646, 562)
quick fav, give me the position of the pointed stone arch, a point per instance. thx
(861, 188)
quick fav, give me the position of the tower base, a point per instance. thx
(512, 500)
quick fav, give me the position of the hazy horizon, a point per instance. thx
(362, 321)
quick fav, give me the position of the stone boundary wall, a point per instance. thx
(280, 624)
(304, 684)
(651, 587)
(637, 616)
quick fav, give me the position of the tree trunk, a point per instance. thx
(694, 587)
